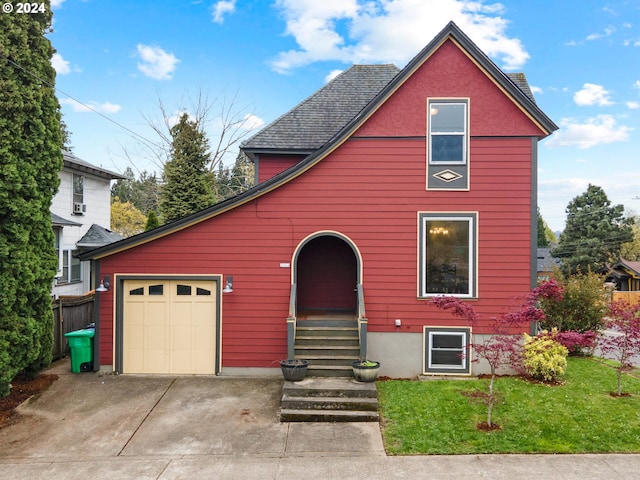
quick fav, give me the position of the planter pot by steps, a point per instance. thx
(294, 370)
(366, 371)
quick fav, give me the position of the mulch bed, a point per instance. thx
(22, 390)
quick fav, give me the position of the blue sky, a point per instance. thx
(261, 58)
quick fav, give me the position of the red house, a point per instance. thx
(384, 188)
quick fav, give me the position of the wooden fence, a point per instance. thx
(70, 312)
(629, 297)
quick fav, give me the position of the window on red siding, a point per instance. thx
(447, 131)
(447, 254)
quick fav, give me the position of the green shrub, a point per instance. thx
(582, 307)
(544, 358)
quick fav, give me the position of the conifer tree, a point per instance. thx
(594, 233)
(152, 221)
(30, 160)
(188, 185)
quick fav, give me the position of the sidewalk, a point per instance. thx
(91, 426)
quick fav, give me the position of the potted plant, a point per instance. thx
(294, 369)
(365, 370)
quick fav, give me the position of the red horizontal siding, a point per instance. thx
(371, 191)
(271, 165)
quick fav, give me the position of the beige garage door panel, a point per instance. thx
(169, 326)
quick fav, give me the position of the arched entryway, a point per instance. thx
(326, 270)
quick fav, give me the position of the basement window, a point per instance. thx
(447, 350)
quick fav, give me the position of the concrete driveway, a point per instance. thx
(92, 426)
(95, 415)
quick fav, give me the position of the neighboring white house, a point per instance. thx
(81, 217)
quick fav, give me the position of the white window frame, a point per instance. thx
(66, 268)
(463, 367)
(432, 109)
(472, 219)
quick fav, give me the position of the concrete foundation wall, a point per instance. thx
(401, 355)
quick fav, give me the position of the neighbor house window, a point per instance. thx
(446, 350)
(447, 131)
(71, 267)
(447, 254)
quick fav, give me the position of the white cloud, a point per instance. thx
(221, 8)
(592, 94)
(106, 107)
(56, 3)
(60, 65)
(252, 122)
(594, 131)
(356, 31)
(332, 74)
(595, 36)
(633, 105)
(637, 84)
(535, 89)
(156, 63)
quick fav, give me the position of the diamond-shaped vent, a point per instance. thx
(447, 175)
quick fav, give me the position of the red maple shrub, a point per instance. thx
(620, 340)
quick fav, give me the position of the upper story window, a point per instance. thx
(448, 132)
(78, 194)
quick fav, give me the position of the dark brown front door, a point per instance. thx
(327, 272)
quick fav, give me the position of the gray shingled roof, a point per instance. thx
(313, 122)
(58, 221)
(521, 82)
(98, 236)
(71, 161)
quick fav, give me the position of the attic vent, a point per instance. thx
(79, 208)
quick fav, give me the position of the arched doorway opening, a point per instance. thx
(327, 270)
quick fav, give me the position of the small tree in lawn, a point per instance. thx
(500, 349)
(622, 342)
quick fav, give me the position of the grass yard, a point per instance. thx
(434, 417)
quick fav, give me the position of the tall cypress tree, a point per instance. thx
(30, 159)
(188, 185)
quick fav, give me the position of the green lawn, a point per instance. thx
(434, 417)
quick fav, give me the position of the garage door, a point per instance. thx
(169, 326)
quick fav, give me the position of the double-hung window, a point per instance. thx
(447, 254)
(447, 350)
(448, 143)
(71, 267)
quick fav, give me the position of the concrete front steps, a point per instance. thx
(329, 342)
(317, 399)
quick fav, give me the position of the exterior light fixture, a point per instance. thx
(104, 285)
(228, 287)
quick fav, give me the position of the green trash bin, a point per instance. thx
(81, 349)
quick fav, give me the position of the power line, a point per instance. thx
(149, 142)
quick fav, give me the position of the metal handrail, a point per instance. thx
(362, 322)
(291, 323)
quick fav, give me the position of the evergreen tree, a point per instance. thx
(188, 185)
(233, 181)
(594, 233)
(30, 159)
(543, 241)
(152, 221)
(142, 192)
